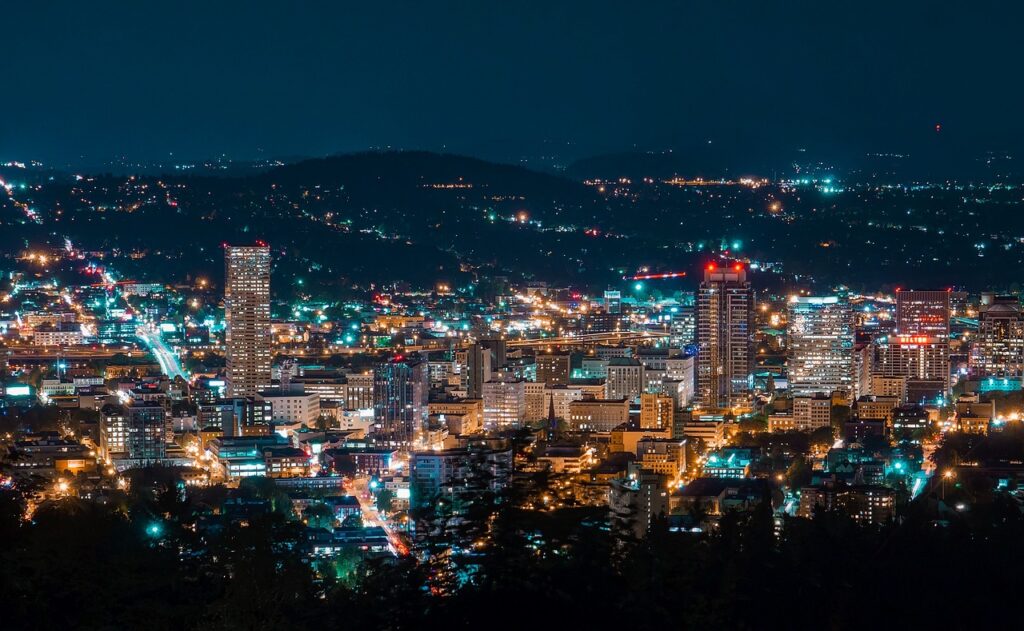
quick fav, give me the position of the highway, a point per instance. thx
(151, 340)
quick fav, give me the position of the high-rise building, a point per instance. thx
(400, 394)
(504, 403)
(923, 360)
(998, 349)
(656, 411)
(554, 368)
(920, 350)
(625, 379)
(113, 430)
(683, 328)
(247, 315)
(483, 359)
(725, 355)
(820, 345)
(146, 436)
(922, 313)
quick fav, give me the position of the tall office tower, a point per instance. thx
(146, 435)
(998, 349)
(724, 337)
(920, 351)
(554, 368)
(247, 314)
(922, 313)
(400, 393)
(483, 359)
(504, 403)
(683, 329)
(923, 360)
(820, 345)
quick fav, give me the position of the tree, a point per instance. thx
(318, 515)
(384, 499)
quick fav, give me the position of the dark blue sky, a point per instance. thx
(82, 82)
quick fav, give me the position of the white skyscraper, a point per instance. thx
(247, 314)
(820, 342)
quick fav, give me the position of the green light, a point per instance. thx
(154, 530)
(638, 287)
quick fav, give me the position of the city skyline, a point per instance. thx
(405, 315)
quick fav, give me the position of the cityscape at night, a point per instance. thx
(478, 315)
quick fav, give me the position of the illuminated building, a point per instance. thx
(998, 348)
(683, 328)
(923, 360)
(711, 432)
(470, 414)
(400, 392)
(554, 368)
(883, 386)
(820, 345)
(559, 398)
(483, 359)
(237, 417)
(598, 415)
(724, 330)
(285, 462)
(536, 402)
(445, 473)
(504, 404)
(60, 334)
(635, 502)
(731, 463)
(909, 418)
(660, 455)
(113, 430)
(625, 379)
(875, 408)
(922, 313)
(613, 301)
(146, 438)
(865, 504)
(292, 404)
(656, 411)
(247, 318)
(812, 412)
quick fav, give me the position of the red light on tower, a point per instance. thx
(738, 267)
(711, 267)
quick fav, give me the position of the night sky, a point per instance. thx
(85, 82)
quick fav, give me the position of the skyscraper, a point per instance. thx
(998, 349)
(820, 345)
(247, 314)
(920, 351)
(400, 393)
(922, 313)
(724, 356)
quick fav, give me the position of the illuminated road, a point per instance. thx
(168, 361)
(372, 517)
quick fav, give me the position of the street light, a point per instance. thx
(946, 475)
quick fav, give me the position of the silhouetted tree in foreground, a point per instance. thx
(89, 565)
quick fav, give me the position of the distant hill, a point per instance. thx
(382, 176)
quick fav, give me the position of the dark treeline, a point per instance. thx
(81, 564)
